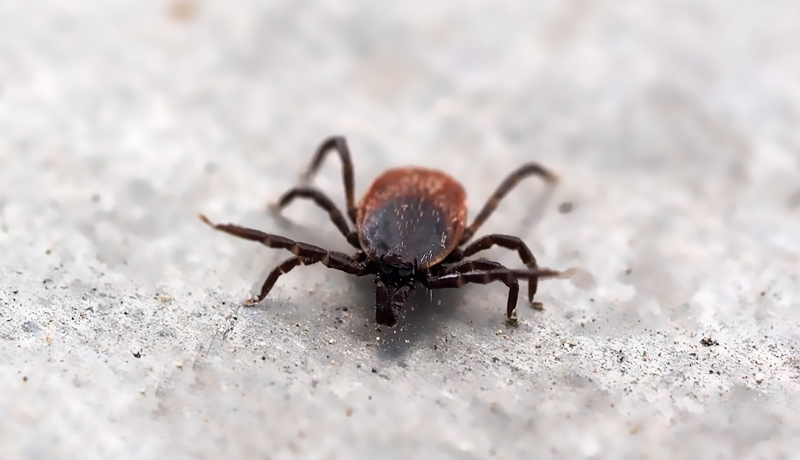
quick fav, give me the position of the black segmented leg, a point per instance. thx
(339, 144)
(285, 267)
(306, 253)
(530, 169)
(323, 202)
(465, 266)
(483, 264)
(504, 241)
(505, 275)
(361, 257)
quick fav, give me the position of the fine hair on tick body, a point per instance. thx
(410, 227)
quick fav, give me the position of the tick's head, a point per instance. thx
(394, 284)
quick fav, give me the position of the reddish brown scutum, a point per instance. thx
(418, 198)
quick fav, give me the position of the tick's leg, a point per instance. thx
(339, 144)
(466, 266)
(530, 169)
(483, 264)
(507, 276)
(323, 202)
(285, 267)
(308, 253)
(504, 241)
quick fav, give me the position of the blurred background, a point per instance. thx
(673, 126)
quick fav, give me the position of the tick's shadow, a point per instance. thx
(427, 312)
(538, 208)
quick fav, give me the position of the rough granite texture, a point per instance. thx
(674, 125)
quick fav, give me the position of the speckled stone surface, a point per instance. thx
(673, 126)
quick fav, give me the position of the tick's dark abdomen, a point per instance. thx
(408, 226)
(418, 214)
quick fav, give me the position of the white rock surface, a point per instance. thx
(674, 127)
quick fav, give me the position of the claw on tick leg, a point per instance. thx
(512, 320)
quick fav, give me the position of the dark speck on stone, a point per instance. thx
(565, 207)
(708, 342)
(137, 355)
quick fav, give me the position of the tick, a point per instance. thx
(410, 227)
